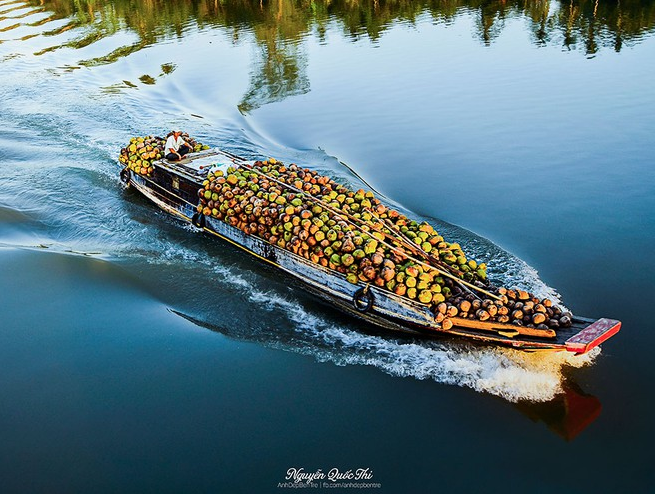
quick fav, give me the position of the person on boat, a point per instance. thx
(176, 147)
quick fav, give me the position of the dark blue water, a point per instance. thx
(140, 356)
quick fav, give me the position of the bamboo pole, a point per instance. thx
(346, 217)
(412, 246)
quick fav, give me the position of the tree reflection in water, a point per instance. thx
(279, 27)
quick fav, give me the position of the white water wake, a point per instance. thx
(508, 373)
(511, 374)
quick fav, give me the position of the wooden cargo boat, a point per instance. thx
(174, 187)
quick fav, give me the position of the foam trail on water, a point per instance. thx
(173, 254)
(507, 373)
(510, 374)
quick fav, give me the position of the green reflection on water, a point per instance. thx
(279, 26)
(590, 24)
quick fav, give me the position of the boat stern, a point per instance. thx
(593, 335)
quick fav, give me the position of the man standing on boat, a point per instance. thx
(176, 147)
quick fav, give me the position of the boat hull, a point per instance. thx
(174, 187)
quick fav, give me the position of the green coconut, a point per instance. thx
(347, 259)
(371, 246)
(425, 296)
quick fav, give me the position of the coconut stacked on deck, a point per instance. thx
(516, 307)
(142, 151)
(355, 234)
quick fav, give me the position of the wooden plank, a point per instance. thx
(532, 345)
(496, 326)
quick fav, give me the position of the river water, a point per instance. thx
(140, 356)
